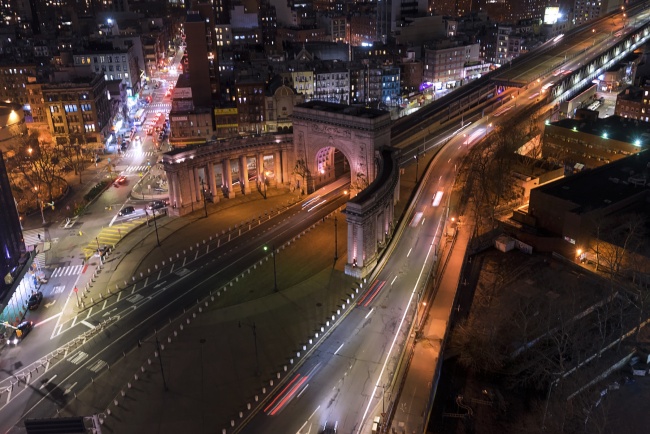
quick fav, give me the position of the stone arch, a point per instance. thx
(357, 132)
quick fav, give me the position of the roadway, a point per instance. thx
(118, 322)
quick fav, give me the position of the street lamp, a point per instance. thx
(275, 273)
(40, 204)
(417, 160)
(205, 199)
(155, 225)
(257, 360)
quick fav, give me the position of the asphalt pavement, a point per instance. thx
(226, 356)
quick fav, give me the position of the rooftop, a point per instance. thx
(614, 127)
(343, 109)
(600, 187)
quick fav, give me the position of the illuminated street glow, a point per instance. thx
(397, 333)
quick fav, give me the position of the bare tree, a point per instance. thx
(301, 170)
(71, 149)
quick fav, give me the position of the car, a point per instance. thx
(35, 300)
(126, 211)
(21, 331)
(120, 180)
(156, 204)
(150, 131)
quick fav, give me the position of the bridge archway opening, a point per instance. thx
(330, 164)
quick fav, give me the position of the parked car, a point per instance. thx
(21, 331)
(35, 300)
(126, 211)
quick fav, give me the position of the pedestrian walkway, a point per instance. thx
(160, 105)
(70, 270)
(137, 153)
(35, 237)
(111, 235)
(132, 169)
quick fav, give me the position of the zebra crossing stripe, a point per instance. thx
(78, 358)
(70, 270)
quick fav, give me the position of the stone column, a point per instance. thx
(212, 182)
(171, 183)
(184, 189)
(261, 176)
(277, 164)
(243, 174)
(360, 249)
(350, 243)
(197, 184)
(227, 173)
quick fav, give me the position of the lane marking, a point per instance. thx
(87, 324)
(47, 382)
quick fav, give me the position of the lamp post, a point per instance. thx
(275, 274)
(155, 225)
(417, 160)
(40, 204)
(205, 199)
(162, 372)
(336, 242)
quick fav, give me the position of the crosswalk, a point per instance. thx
(110, 236)
(137, 168)
(69, 270)
(160, 105)
(131, 154)
(30, 237)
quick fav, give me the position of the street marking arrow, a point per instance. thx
(50, 304)
(48, 381)
(69, 389)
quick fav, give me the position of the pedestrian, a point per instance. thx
(39, 237)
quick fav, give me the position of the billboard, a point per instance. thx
(552, 15)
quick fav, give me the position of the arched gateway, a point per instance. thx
(362, 135)
(320, 128)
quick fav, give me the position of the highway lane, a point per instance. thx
(136, 315)
(342, 382)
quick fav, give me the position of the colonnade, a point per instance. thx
(221, 172)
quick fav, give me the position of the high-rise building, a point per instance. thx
(11, 236)
(202, 59)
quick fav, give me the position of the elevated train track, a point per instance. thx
(533, 68)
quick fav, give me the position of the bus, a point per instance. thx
(140, 117)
